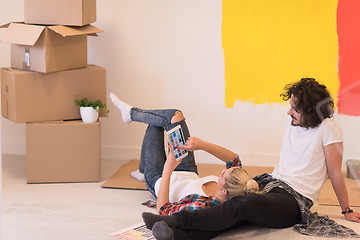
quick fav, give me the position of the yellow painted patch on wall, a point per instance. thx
(268, 44)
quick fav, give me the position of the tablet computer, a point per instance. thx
(176, 138)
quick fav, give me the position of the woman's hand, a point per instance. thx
(171, 162)
(169, 166)
(193, 144)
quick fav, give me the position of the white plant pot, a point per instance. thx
(89, 114)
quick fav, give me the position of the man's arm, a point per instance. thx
(194, 143)
(333, 155)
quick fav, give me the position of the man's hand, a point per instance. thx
(354, 216)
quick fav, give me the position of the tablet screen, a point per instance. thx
(176, 138)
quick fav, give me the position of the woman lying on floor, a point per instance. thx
(176, 183)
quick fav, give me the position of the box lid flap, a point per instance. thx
(23, 34)
(6, 25)
(67, 31)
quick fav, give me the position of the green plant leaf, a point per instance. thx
(97, 104)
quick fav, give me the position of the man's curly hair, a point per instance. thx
(311, 99)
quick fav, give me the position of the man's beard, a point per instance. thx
(299, 124)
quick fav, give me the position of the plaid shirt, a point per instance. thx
(192, 202)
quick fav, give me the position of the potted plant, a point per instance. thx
(89, 110)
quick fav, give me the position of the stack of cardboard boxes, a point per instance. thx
(48, 70)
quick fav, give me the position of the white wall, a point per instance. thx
(1, 209)
(13, 134)
(168, 54)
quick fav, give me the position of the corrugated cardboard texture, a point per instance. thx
(63, 151)
(31, 96)
(60, 12)
(327, 195)
(48, 49)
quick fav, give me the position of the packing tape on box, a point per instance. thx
(26, 63)
(7, 100)
(7, 108)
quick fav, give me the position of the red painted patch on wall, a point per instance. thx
(348, 22)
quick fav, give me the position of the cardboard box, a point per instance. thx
(63, 151)
(60, 12)
(31, 96)
(47, 48)
(353, 169)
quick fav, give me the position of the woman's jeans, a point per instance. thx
(153, 154)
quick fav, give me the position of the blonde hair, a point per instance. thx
(240, 183)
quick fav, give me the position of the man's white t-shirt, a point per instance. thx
(302, 162)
